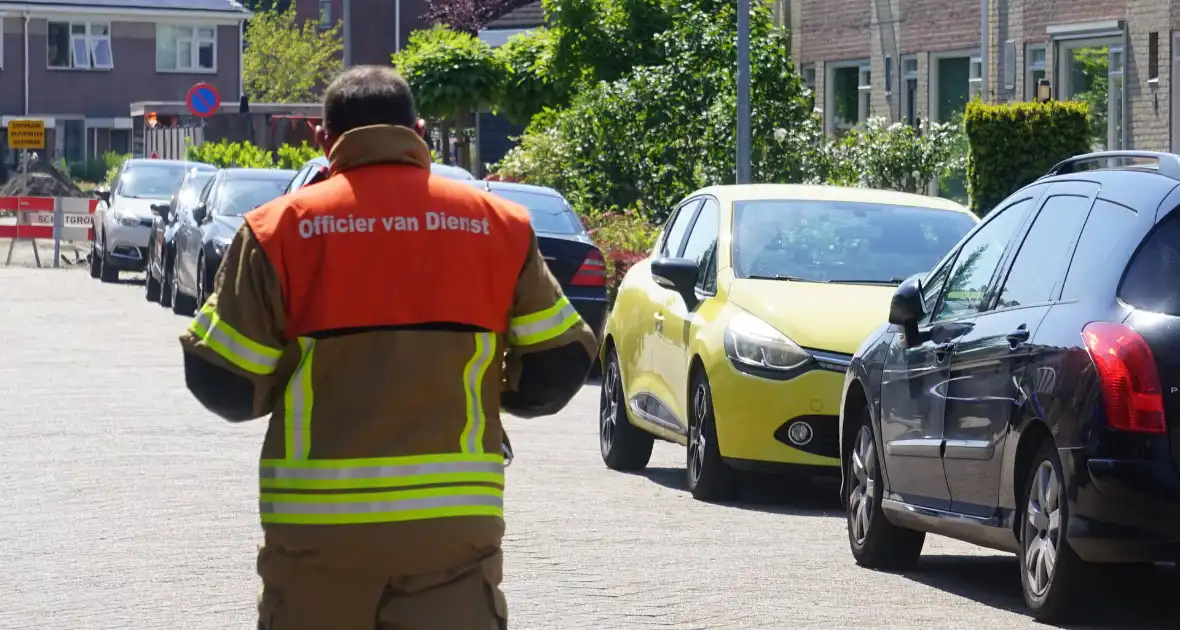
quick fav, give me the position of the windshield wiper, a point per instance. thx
(780, 276)
(891, 281)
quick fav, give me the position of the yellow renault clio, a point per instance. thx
(732, 337)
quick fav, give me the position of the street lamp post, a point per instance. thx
(743, 92)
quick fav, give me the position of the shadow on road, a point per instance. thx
(1129, 598)
(794, 496)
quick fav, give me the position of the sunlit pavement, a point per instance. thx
(123, 504)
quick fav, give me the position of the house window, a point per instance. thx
(888, 75)
(79, 46)
(847, 92)
(186, 48)
(975, 79)
(1036, 70)
(325, 13)
(1010, 65)
(809, 76)
(909, 90)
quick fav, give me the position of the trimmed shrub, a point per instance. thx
(1013, 144)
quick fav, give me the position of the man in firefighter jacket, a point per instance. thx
(383, 318)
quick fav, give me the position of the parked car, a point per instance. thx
(1023, 396)
(732, 338)
(162, 238)
(316, 170)
(568, 251)
(204, 234)
(573, 259)
(123, 217)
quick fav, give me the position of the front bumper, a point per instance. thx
(1123, 510)
(126, 245)
(754, 414)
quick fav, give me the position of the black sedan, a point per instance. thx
(1025, 395)
(161, 253)
(204, 234)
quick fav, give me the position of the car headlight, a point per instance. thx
(126, 219)
(753, 343)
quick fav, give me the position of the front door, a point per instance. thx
(652, 395)
(915, 381)
(985, 393)
(677, 318)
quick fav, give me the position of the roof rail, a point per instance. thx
(1169, 163)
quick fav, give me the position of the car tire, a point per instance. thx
(623, 445)
(1053, 578)
(151, 284)
(876, 542)
(202, 283)
(95, 261)
(709, 478)
(166, 282)
(181, 304)
(109, 273)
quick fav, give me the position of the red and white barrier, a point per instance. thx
(37, 216)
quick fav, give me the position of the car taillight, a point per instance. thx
(1130, 380)
(592, 273)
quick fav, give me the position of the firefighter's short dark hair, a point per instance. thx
(368, 95)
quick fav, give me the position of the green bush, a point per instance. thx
(1013, 144)
(112, 162)
(294, 157)
(225, 154)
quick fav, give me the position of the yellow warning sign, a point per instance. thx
(26, 134)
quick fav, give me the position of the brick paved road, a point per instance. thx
(124, 505)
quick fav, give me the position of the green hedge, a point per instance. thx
(1013, 144)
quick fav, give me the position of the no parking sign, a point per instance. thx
(203, 100)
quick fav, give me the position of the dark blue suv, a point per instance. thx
(1025, 395)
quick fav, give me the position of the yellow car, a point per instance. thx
(732, 337)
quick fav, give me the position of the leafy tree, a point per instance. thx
(602, 40)
(259, 6)
(450, 72)
(529, 82)
(287, 63)
(468, 16)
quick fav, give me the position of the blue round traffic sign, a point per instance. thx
(203, 100)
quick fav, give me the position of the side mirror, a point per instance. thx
(103, 194)
(201, 212)
(160, 210)
(679, 275)
(907, 308)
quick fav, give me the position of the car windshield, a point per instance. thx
(151, 181)
(549, 213)
(838, 241)
(241, 195)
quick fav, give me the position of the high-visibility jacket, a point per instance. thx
(383, 317)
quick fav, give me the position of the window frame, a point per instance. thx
(702, 288)
(1034, 195)
(325, 16)
(193, 35)
(1060, 190)
(88, 38)
(933, 80)
(1116, 135)
(1031, 68)
(909, 110)
(661, 245)
(830, 70)
(975, 77)
(809, 75)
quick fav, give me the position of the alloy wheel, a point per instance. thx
(609, 406)
(1044, 528)
(698, 435)
(863, 484)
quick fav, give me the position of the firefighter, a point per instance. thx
(383, 318)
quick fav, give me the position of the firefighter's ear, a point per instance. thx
(420, 127)
(324, 139)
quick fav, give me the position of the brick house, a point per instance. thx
(922, 58)
(79, 64)
(372, 29)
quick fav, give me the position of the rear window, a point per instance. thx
(549, 213)
(1152, 282)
